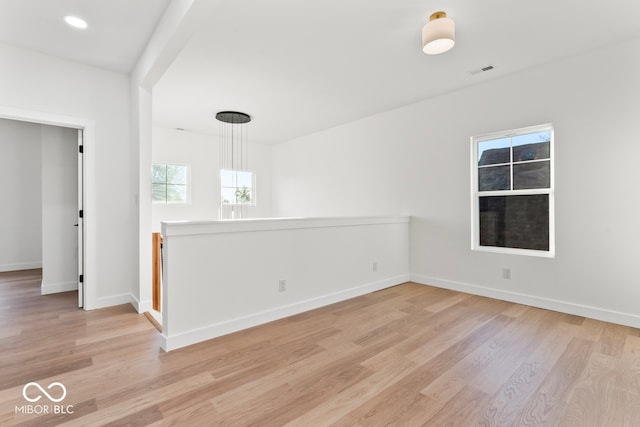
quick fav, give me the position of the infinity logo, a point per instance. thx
(36, 385)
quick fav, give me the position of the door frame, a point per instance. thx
(88, 185)
(80, 217)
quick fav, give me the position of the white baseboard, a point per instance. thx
(20, 266)
(140, 306)
(54, 288)
(194, 336)
(144, 306)
(597, 313)
(110, 301)
(104, 302)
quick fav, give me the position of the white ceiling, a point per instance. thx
(117, 33)
(298, 67)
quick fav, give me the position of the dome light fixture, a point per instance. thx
(439, 34)
(76, 22)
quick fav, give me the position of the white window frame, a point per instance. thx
(476, 194)
(253, 201)
(187, 184)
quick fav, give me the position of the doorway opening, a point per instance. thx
(65, 205)
(41, 224)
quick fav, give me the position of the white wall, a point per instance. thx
(140, 167)
(59, 209)
(178, 23)
(39, 83)
(201, 153)
(415, 160)
(223, 276)
(20, 215)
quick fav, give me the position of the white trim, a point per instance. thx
(18, 266)
(185, 228)
(515, 251)
(591, 312)
(54, 288)
(89, 185)
(112, 300)
(521, 162)
(141, 306)
(476, 194)
(514, 192)
(512, 132)
(194, 336)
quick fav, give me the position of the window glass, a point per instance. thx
(228, 178)
(159, 193)
(168, 183)
(532, 175)
(494, 178)
(176, 174)
(494, 151)
(244, 179)
(176, 193)
(237, 187)
(159, 173)
(512, 190)
(531, 146)
(515, 221)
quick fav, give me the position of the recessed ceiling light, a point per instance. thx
(75, 22)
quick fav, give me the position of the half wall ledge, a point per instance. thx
(224, 276)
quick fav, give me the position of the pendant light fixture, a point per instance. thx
(233, 161)
(439, 34)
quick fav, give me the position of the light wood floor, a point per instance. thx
(407, 356)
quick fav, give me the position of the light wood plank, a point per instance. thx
(409, 355)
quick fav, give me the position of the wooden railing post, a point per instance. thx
(156, 245)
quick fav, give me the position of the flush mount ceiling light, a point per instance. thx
(439, 34)
(75, 22)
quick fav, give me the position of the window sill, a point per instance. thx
(514, 251)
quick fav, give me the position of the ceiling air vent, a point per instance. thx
(482, 70)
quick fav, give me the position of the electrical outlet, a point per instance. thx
(375, 267)
(282, 285)
(506, 273)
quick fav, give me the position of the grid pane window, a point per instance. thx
(513, 191)
(169, 183)
(237, 187)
